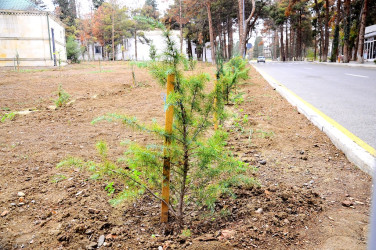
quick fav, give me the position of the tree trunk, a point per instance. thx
(334, 56)
(326, 44)
(347, 19)
(224, 48)
(190, 55)
(241, 27)
(230, 37)
(243, 31)
(93, 51)
(299, 38)
(181, 28)
(292, 41)
(275, 45)
(113, 33)
(360, 57)
(135, 44)
(282, 50)
(211, 32)
(287, 42)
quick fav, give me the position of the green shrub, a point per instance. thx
(202, 168)
(63, 97)
(73, 50)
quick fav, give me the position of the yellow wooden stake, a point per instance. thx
(166, 160)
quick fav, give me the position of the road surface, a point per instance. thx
(345, 94)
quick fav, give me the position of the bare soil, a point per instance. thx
(311, 196)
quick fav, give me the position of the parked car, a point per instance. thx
(261, 59)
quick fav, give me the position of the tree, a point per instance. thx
(97, 3)
(152, 4)
(201, 168)
(347, 23)
(336, 33)
(244, 25)
(40, 4)
(361, 33)
(326, 35)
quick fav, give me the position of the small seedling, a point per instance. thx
(186, 233)
(57, 178)
(63, 97)
(110, 188)
(10, 116)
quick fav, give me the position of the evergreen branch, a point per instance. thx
(149, 190)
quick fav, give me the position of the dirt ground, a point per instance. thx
(311, 196)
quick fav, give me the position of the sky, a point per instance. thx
(85, 6)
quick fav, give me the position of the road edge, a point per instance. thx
(354, 152)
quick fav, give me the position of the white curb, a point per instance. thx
(354, 153)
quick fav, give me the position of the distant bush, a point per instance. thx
(73, 50)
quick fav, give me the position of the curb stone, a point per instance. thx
(354, 153)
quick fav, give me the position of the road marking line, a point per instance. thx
(350, 135)
(307, 68)
(357, 75)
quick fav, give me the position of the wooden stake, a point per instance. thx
(166, 161)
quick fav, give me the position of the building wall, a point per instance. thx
(27, 34)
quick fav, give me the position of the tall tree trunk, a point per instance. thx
(360, 58)
(241, 26)
(230, 37)
(275, 42)
(326, 44)
(318, 25)
(282, 50)
(135, 43)
(181, 28)
(113, 33)
(211, 32)
(299, 37)
(245, 30)
(93, 50)
(287, 41)
(224, 48)
(347, 20)
(334, 56)
(292, 41)
(190, 55)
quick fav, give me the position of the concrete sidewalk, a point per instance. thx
(350, 64)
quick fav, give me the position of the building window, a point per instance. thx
(97, 49)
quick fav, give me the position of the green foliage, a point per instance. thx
(202, 168)
(9, 116)
(233, 71)
(152, 52)
(73, 50)
(186, 233)
(110, 188)
(188, 63)
(63, 97)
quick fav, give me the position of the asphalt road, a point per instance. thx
(345, 94)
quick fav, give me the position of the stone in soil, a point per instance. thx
(4, 213)
(20, 194)
(101, 240)
(347, 203)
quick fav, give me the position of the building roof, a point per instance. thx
(25, 5)
(370, 31)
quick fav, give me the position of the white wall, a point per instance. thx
(27, 34)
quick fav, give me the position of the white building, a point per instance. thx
(370, 43)
(36, 37)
